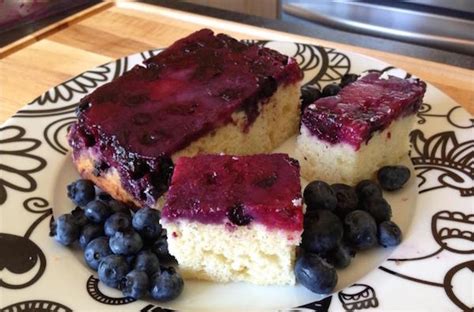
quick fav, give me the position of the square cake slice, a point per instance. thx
(235, 218)
(347, 137)
(205, 93)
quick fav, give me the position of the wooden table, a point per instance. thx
(107, 31)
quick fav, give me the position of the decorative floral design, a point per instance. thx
(37, 306)
(17, 163)
(453, 161)
(358, 297)
(95, 293)
(451, 116)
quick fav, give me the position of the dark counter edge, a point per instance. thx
(304, 28)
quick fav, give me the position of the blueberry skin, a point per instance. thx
(308, 96)
(160, 249)
(319, 195)
(89, 232)
(125, 243)
(81, 192)
(97, 211)
(315, 273)
(348, 79)
(392, 178)
(360, 230)
(135, 284)
(331, 90)
(118, 206)
(167, 285)
(112, 269)
(389, 234)
(96, 250)
(146, 221)
(347, 199)
(119, 221)
(147, 262)
(378, 208)
(323, 231)
(66, 231)
(341, 256)
(80, 216)
(366, 189)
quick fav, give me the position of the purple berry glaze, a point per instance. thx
(136, 122)
(236, 191)
(367, 105)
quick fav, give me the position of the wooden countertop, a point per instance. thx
(107, 31)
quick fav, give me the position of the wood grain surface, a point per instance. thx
(108, 31)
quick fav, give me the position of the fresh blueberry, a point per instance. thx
(347, 200)
(323, 230)
(309, 95)
(166, 285)
(146, 221)
(366, 189)
(119, 221)
(378, 208)
(360, 230)
(392, 178)
(112, 269)
(319, 195)
(331, 90)
(97, 211)
(89, 232)
(103, 196)
(80, 216)
(118, 206)
(348, 79)
(389, 234)
(81, 192)
(315, 273)
(125, 243)
(147, 261)
(96, 250)
(135, 284)
(66, 230)
(341, 256)
(160, 249)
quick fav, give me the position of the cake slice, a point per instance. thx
(347, 137)
(235, 218)
(205, 93)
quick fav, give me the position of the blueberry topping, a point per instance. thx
(79, 216)
(89, 232)
(347, 200)
(237, 215)
(392, 178)
(119, 221)
(319, 195)
(146, 221)
(81, 192)
(366, 189)
(147, 261)
(97, 211)
(331, 90)
(125, 243)
(360, 230)
(135, 284)
(323, 231)
(309, 95)
(166, 285)
(66, 231)
(315, 273)
(96, 250)
(389, 234)
(348, 79)
(112, 269)
(378, 208)
(341, 256)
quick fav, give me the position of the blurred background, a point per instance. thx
(441, 24)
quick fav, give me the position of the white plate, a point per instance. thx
(434, 261)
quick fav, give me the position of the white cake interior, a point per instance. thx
(217, 252)
(341, 163)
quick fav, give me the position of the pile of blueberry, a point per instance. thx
(309, 94)
(341, 220)
(125, 248)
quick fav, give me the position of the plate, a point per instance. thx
(434, 260)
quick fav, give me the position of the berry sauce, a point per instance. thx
(136, 122)
(236, 191)
(367, 105)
